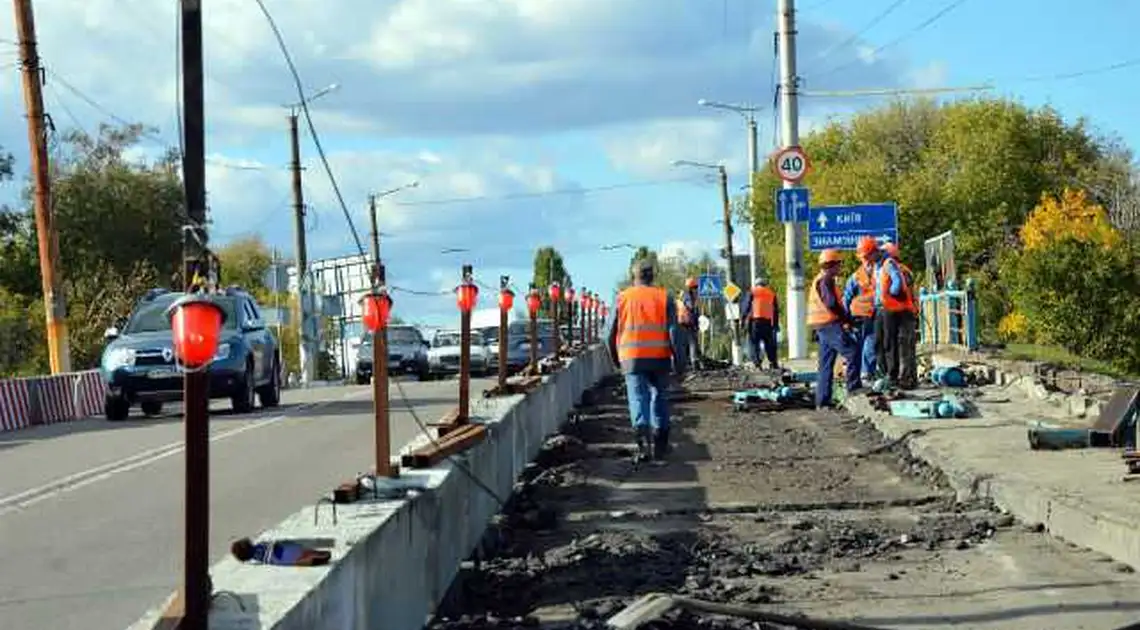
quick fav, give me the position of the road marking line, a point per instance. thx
(75, 481)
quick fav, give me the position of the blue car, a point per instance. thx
(139, 368)
(518, 343)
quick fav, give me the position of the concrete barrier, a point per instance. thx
(393, 561)
(36, 400)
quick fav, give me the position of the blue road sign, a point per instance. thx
(792, 205)
(841, 227)
(710, 286)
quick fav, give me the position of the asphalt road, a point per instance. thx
(91, 512)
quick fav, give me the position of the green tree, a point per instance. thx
(976, 167)
(246, 262)
(549, 267)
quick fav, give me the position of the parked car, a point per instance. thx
(518, 343)
(407, 354)
(138, 361)
(443, 357)
(491, 340)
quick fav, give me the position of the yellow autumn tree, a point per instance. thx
(1070, 215)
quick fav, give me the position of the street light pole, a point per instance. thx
(793, 232)
(749, 114)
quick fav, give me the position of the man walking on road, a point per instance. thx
(832, 325)
(689, 318)
(897, 323)
(859, 300)
(761, 310)
(640, 345)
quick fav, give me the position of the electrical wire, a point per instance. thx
(898, 40)
(548, 193)
(855, 36)
(1065, 76)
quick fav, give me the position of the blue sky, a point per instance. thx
(543, 121)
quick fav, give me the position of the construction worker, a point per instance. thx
(640, 345)
(761, 310)
(833, 326)
(897, 322)
(681, 335)
(859, 300)
(690, 321)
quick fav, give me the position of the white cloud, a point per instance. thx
(689, 250)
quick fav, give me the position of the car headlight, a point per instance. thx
(223, 352)
(118, 358)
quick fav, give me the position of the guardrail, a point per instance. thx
(37, 400)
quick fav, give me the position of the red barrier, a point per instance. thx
(32, 401)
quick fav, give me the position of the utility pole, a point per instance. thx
(304, 291)
(728, 253)
(375, 239)
(790, 128)
(196, 590)
(55, 301)
(753, 168)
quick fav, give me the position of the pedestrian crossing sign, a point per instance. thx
(731, 291)
(709, 286)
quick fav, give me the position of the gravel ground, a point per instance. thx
(780, 511)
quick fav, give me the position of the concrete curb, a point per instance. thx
(1065, 515)
(394, 560)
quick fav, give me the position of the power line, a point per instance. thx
(1064, 76)
(547, 193)
(898, 40)
(855, 36)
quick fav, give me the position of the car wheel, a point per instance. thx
(362, 380)
(424, 375)
(270, 395)
(243, 400)
(116, 408)
(151, 407)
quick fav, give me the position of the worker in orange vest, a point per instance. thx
(833, 328)
(897, 322)
(859, 299)
(761, 310)
(640, 344)
(689, 319)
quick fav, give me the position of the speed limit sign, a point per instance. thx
(791, 164)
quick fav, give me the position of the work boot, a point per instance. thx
(644, 444)
(661, 447)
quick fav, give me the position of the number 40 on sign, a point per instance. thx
(791, 164)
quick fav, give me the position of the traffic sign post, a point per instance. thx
(793, 205)
(791, 164)
(710, 286)
(841, 227)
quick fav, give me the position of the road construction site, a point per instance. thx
(779, 510)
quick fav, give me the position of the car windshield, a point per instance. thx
(490, 334)
(403, 336)
(151, 316)
(445, 340)
(522, 329)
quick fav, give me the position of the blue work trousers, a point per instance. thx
(762, 341)
(865, 330)
(648, 394)
(833, 342)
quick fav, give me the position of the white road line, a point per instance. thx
(54, 488)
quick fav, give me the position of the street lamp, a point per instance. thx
(616, 246)
(749, 114)
(325, 91)
(727, 219)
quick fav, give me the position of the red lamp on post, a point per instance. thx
(377, 311)
(196, 322)
(466, 295)
(569, 295)
(584, 317)
(533, 303)
(555, 292)
(506, 299)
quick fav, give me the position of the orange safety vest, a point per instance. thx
(763, 303)
(818, 313)
(863, 304)
(682, 312)
(643, 331)
(893, 304)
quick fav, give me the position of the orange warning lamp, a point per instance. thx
(466, 295)
(196, 322)
(533, 302)
(555, 291)
(585, 300)
(506, 299)
(570, 295)
(377, 311)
